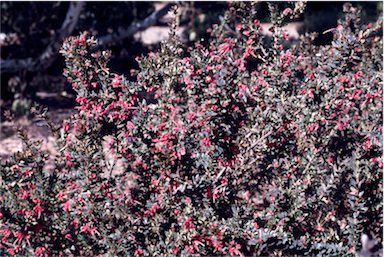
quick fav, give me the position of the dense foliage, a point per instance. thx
(245, 150)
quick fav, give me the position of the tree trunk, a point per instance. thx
(49, 55)
(132, 29)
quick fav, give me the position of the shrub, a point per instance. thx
(245, 150)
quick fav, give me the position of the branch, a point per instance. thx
(50, 53)
(132, 29)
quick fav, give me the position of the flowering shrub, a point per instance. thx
(246, 150)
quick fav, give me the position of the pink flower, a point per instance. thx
(84, 228)
(369, 25)
(240, 64)
(206, 142)
(67, 206)
(75, 222)
(130, 125)
(138, 252)
(116, 80)
(224, 48)
(287, 10)
(154, 208)
(341, 124)
(233, 248)
(248, 52)
(80, 40)
(93, 231)
(191, 116)
(188, 223)
(67, 156)
(11, 251)
(39, 251)
(174, 251)
(39, 210)
(66, 127)
(68, 236)
(185, 60)
(313, 127)
(286, 57)
(154, 183)
(138, 162)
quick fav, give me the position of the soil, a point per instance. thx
(11, 144)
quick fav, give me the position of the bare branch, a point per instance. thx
(132, 29)
(50, 53)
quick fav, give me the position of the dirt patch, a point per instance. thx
(11, 144)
